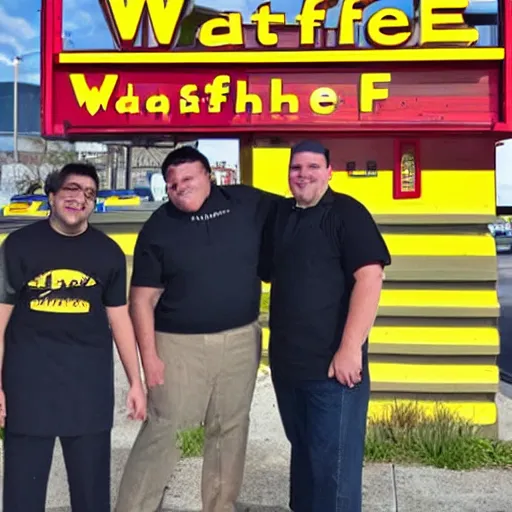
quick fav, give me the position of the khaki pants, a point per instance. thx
(208, 378)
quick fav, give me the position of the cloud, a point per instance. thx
(12, 42)
(5, 60)
(81, 21)
(246, 7)
(16, 26)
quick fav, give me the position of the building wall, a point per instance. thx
(436, 336)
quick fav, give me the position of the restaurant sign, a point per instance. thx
(147, 85)
(386, 23)
(155, 101)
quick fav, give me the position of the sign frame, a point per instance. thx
(54, 60)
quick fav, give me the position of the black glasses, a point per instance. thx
(72, 189)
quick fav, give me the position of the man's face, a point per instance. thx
(75, 201)
(308, 177)
(188, 185)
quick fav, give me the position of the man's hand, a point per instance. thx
(3, 409)
(153, 370)
(136, 402)
(347, 366)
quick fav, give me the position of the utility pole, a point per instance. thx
(16, 64)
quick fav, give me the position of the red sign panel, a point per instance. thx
(145, 99)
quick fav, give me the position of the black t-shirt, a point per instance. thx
(206, 262)
(313, 254)
(58, 365)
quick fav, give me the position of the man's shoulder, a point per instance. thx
(105, 241)
(348, 205)
(246, 192)
(341, 200)
(240, 192)
(160, 214)
(28, 232)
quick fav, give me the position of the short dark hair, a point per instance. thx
(55, 180)
(185, 154)
(311, 146)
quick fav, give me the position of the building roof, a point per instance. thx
(29, 108)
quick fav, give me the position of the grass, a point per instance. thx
(405, 434)
(191, 442)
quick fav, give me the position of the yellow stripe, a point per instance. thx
(440, 245)
(440, 298)
(439, 192)
(284, 57)
(439, 188)
(126, 241)
(265, 338)
(487, 336)
(433, 374)
(479, 413)
(270, 170)
(478, 336)
(399, 245)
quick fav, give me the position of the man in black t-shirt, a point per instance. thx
(195, 300)
(325, 265)
(62, 290)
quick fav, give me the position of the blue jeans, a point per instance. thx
(325, 423)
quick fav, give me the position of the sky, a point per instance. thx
(85, 28)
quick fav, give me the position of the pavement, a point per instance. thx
(387, 487)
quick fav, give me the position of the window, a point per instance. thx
(407, 172)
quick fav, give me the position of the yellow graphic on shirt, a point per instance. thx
(60, 291)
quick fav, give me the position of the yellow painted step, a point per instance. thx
(422, 377)
(478, 413)
(440, 245)
(433, 298)
(435, 340)
(398, 244)
(483, 336)
(439, 298)
(434, 378)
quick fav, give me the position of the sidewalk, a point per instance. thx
(386, 488)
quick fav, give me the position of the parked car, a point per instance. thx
(501, 230)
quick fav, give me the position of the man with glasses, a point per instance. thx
(62, 290)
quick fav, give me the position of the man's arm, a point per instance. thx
(364, 255)
(143, 301)
(364, 303)
(145, 291)
(267, 213)
(124, 338)
(7, 300)
(115, 301)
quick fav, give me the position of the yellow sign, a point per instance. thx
(186, 99)
(439, 22)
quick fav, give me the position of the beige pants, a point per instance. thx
(208, 378)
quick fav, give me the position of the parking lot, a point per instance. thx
(505, 296)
